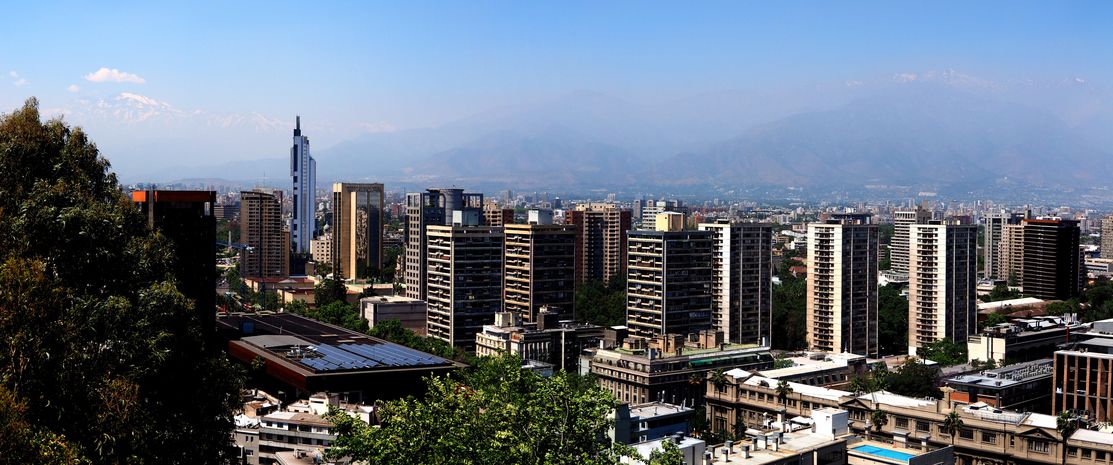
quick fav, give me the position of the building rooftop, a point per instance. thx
(656, 409)
(808, 390)
(1000, 304)
(297, 417)
(1092, 436)
(1007, 375)
(323, 348)
(896, 400)
(390, 299)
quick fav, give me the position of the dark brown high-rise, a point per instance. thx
(601, 246)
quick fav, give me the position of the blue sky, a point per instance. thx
(373, 66)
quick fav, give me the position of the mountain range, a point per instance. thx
(937, 131)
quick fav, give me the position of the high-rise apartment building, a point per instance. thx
(842, 285)
(303, 171)
(539, 267)
(464, 280)
(668, 282)
(994, 224)
(898, 246)
(942, 283)
(357, 230)
(494, 215)
(268, 244)
(1107, 237)
(742, 284)
(423, 209)
(601, 247)
(1042, 256)
(186, 218)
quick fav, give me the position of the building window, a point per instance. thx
(1042, 447)
(1072, 451)
(966, 433)
(923, 426)
(1086, 453)
(1100, 455)
(902, 423)
(989, 438)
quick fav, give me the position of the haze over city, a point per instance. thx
(406, 92)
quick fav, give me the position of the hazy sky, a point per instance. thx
(352, 67)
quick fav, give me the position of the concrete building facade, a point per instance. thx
(742, 285)
(1042, 256)
(464, 281)
(898, 247)
(268, 248)
(942, 283)
(539, 267)
(668, 282)
(842, 286)
(432, 207)
(601, 246)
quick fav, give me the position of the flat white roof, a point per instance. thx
(804, 389)
(896, 400)
(1093, 436)
(1009, 303)
(1040, 420)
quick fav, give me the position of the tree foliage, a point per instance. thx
(892, 325)
(602, 304)
(329, 290)
(790, 312)
(496, 414)
(338, 313)
(105, 358)
(944, 352)
(914, 379)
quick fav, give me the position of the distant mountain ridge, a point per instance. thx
(944, 131)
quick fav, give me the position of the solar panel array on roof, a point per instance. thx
(364, 356)
(392, 355)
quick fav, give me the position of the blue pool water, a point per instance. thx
(892, 454)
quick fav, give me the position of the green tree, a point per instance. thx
(878, 420)
(602, 304)
(944, 352)
(1066, 423)
(783, 390)
(496, 414)
(668, 454)
(951, 424)
(914, 379)
(992, 319)
(104, 356)
(339, 313)
(329, 290)
(1002, 292)
(789, 312)
(892, 325)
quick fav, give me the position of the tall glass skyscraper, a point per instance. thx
(303, 170)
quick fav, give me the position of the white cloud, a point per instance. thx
(19, 82)
(73, 88)
(113, 75)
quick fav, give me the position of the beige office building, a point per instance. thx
(1107, 237)
(357, 230)
(842, 285)
(942, 283)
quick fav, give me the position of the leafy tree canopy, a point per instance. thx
(944, 352)
(106, 361)
(602, 304)
(495, 414)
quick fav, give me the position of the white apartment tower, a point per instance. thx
(303, 171)
(898, 247)
(942, 283)
(842, 285)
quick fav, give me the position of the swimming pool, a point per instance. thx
(891, 454)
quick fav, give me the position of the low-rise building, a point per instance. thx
(988, 435)
(821, 369)
(1021, 340)
(1023, 387)
(1082, 379)
(649, 421)
(547, 340)
(409, 312)
(670, 368)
